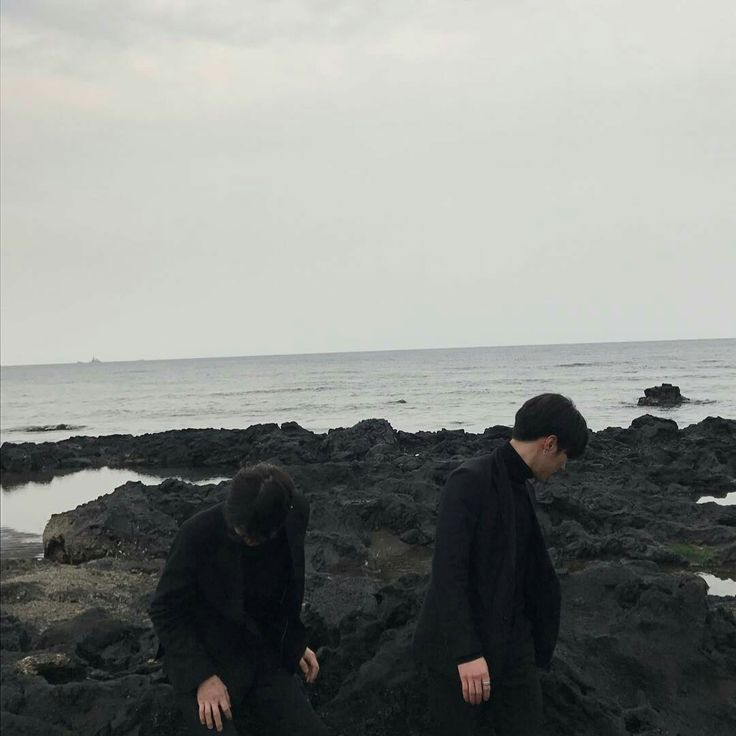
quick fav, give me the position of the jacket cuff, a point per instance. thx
(191, 677)
(469, 658)
(464, 643)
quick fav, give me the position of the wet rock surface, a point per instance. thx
(643, 648)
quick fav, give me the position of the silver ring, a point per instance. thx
(486, 682)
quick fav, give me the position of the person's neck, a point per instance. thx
(527, 451)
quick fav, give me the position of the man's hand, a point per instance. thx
(309, 665)
(475, 680)
(212, 697)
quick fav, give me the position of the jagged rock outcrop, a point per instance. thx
(643, 649)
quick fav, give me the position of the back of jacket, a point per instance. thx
(468, 608)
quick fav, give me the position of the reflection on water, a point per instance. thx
(27, 507)
(719, 586)
(390, 558)
(728, 500)
(20, 544)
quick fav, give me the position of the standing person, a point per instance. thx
(491, 614)
(227, 610)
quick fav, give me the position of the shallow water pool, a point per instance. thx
(719, 586)
(27, 507)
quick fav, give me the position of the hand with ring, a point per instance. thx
(475, 680)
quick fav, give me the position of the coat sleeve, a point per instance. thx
(187, 662)
(457, 518)
(301, 561)
(300, 570)
(294, 639)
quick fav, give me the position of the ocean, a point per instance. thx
(469, 388)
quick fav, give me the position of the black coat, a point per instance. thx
(198, 609)
(469, 603)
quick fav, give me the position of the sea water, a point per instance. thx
(470, 388)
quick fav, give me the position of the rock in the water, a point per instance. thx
(664, 395)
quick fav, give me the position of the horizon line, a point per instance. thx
(368, 351)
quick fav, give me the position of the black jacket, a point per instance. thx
(198, 609)
(469, 603)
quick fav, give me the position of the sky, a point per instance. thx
(184, 179)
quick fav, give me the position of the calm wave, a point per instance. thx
(469, 388)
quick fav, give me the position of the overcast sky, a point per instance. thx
(228, 178)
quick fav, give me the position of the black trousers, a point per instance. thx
(273, 702)
(514, 709)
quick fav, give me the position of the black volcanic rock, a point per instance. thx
(102, 641)
(369, 436)
(131, 522)
(631, 638)
(643, 649)
(14, 635)
(664, 395)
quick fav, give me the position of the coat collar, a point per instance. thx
(506, 506)
(500, 479)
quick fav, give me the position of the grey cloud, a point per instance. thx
(399, 171)
(226, 21)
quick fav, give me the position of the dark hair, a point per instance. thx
(259, 500)
(555, 414)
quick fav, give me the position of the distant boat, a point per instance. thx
(95, 360)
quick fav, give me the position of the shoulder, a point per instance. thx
(473, 480)
(204, 524)
(477, 468)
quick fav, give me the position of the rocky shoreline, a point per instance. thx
(643, 648)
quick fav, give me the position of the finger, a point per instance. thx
(226, 698)
(226, 710)
(303, 665)
(486, 690)
(201, 714)
(466, 690)
(477, 692)
(218, 717)
(208, 715)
